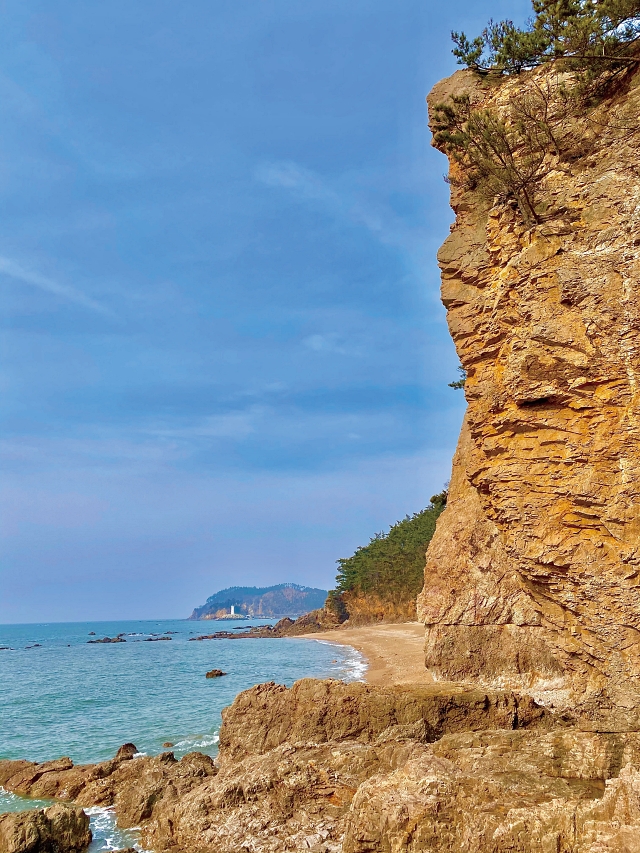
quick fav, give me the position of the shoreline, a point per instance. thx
(393, 652)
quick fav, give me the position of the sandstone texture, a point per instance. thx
(370, 609)
(532, 576)
(58, 829)
(291, 762)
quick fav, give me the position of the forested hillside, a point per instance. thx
(391, 566)
(269, 602)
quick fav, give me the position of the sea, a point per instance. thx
(61, 695)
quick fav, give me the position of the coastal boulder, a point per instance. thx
(126, 752)
(58, 829)
(316, 711)
(118, 639)
(215, 673)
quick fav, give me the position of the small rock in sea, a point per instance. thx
(156, 639)
(109, 640)
(166, 744)
(4, 648)
(92, 633)
(215, 673)
(126, 751)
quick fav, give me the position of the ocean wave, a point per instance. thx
(10, 802)
(197, 743)
(353, 665)
(106, 833)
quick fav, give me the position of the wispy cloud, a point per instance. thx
(296, 178)
(328, 343)
(233, 425)
(376, 216)
(63, 291)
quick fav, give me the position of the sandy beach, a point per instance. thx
(394, 652)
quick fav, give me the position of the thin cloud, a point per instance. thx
(15, 271)
(328, 343)
(234, 425)
(296, 178)
(378, 218)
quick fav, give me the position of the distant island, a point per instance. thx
(268, 602)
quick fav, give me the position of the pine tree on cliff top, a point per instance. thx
(587, 34)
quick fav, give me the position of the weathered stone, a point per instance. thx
(532, 575)
(126, 752)
(531, 586)
(313, 711)
(58, 829)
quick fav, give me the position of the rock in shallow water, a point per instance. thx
(107, 640)
(338, 768)
(215, 673)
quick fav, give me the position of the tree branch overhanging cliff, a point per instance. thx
(589, 36)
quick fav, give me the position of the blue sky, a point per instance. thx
(223, 355)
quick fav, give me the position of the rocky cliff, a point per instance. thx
(532, 578)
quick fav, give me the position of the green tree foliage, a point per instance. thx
(504, 156)
(591, 35)
(459, 383)
(392, 564)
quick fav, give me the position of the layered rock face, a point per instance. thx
(532, 578)
(293, 762)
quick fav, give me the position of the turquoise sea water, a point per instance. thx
(61, 696)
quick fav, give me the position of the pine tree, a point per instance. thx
(588, 35)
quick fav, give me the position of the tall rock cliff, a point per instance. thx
(532, 578)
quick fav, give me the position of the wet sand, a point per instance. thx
(394, 652)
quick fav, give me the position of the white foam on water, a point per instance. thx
(107, 835)
(197, 743)
(353, 665)
(10, 802)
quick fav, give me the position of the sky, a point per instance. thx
(223, 358)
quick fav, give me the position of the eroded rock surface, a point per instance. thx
(58, 829)
(530, 602)
(532, 576)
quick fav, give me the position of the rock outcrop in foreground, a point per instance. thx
(337, 768)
